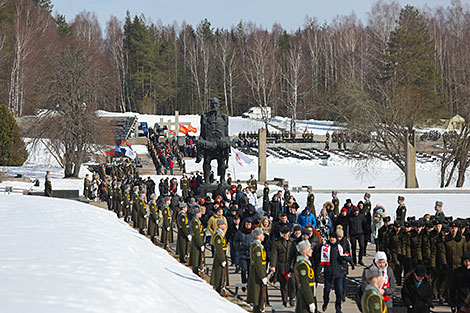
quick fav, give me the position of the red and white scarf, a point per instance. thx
(325, 253)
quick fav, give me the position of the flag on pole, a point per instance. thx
(128, 152)
(240, 158)
(116, 148)
(110, 153)
(183, 129)
(171, 132)
(192, 129)
(125, 143)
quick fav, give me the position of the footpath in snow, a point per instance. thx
(65, 256)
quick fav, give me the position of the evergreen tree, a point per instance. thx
(12, 149)
(62, 27)
(45, 4)
(410, 73)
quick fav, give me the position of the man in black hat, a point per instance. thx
(357, 225)
(266, 199)
(460, 285)
(417, 292)
(401, 210)
(382, 234)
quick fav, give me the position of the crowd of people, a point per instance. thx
(269, 241)
(164, 155)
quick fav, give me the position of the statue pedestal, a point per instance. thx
(215, 189)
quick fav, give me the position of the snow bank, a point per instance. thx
(64, 256)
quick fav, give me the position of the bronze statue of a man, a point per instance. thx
(214, 141)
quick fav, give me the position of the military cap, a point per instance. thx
(387, 219)
(302, 245)
(257, 231)
(182, 205)
(372, 272)
(454, 224)
(401, 198)
(367, 195)
(192, 200)
(166, 199)
(334, 192)
(407, 224)
(439, 203)
(398, 223)
(135, 188)
(153, 196)
(220, 221)
(196, 209)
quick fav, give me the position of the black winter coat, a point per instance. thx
(336, 267)
(343, 221)
(419, 297)
(357, 224)
(459, 287)
(242, 242)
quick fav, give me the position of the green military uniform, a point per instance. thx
(381, 235)
(336, 205)
(305, 278)
(166, 227)
(279, 254)
(110, 196)
(415, 248)
(197, 242)
(183, 236)
(135, 208)
(126, 205)
(286, 195)
(220, 256)
(257, 273)
(117, 199)
(153, 219)
(405, 248)
(48, 188)
(393, 251)
(372, 302)
(86, 188)
(266, 199)
(439, 287)
(254, 184)
(401, 212)
(311, 203)
(451, 251)
(184, 185)
(440, 213)
(142, 211)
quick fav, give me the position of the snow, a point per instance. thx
(65, 256)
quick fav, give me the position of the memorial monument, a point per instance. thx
(214, 143)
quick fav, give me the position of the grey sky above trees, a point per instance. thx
(290, 14)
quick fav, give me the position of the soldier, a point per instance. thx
(286, 193)
(86, 186)
(439, 211)
(382, 234)
(110, 195)
(372, 299)
(135, 205)
(305, 278)
(219, 277)
(184, 185)
(48, 185)
(401, 210)
(451, 251)
(405, 243)
(184, 236)
(394, 251)
(117, 198)
(127, 203)
(366, 211)
(311, 201)
(153, 218)
(280, 251)
(166, 225)
(257, 279)
(253, 183)
(142, 213)
(266, 198)
(335, 202)
(197, 242)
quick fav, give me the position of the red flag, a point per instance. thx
(183, 129)
(192, 129)
(125, 143)
(172, 133)
(110, 153)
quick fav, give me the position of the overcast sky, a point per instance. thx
(225, 13)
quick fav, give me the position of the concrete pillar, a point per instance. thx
(261, 155)
(410, 161)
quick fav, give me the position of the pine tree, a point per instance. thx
(45, 4)
(62, 27)
(410, 73)
(12, 149)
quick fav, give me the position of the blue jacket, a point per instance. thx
(303, 219)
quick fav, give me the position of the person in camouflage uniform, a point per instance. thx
(257, 277)
(184, 236)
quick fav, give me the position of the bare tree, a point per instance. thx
(29, 25)
(86, 28)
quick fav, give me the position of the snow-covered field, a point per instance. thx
(65, 256)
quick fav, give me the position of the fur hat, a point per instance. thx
(220, 221)
(302, 245)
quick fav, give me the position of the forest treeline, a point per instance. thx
(154, 68)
